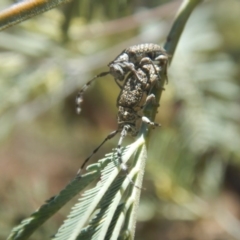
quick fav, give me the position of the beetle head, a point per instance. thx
(118, 67)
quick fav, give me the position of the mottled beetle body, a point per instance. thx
(134, 96)
(134, 91)
(129, 60)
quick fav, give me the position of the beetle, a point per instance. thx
(133, 97)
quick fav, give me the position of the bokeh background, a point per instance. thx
(192, 178)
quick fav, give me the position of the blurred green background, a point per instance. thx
(192, 178)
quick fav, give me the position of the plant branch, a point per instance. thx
(24, 10)
(141, 156)
(181, 18)
(180, 21)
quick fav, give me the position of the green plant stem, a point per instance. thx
(24, 10)
(170, 45)
(179, 23)
(136, 193)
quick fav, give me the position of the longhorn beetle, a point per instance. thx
(129, 60)
(134, 96)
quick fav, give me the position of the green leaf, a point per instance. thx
(100, 203)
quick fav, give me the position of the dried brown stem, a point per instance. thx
(24, 10)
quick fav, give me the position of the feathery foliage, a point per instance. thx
(101, 202)
(107, 169)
